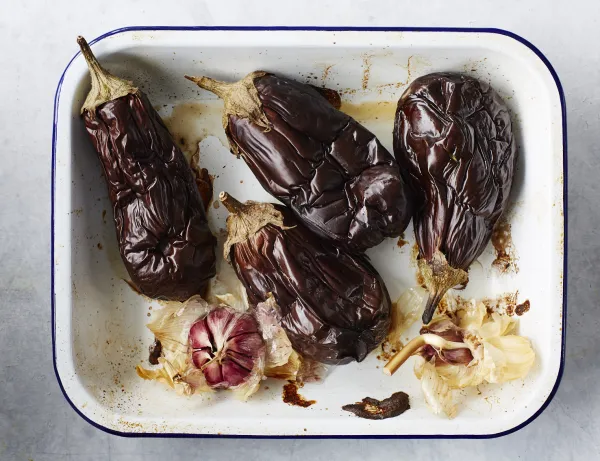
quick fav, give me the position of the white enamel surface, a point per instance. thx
(100, 322)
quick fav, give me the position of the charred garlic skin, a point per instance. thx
(326, 167)
(454, 142)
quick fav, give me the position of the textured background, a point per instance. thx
(36, 42)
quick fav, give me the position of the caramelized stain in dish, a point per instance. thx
(366, 71)
(376, 115)
(506, 304)
(155, 351)
(370, 110)
(291, 396)
(204, 181)
(503, 304)
(191, 122)
(389, 349)
(522, 308)
(401, 241)
(506, 258)
(370, 408)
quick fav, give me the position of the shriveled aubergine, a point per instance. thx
(454, 143)
(334, 306)
(162, 230)
(331, 171)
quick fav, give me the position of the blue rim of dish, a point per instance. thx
(506, 33)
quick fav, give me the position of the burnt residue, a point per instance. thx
(506, 259)
(522, 308)
(370, 408)
(389, 348)
(155, 352)
(501, 304)
(504, 304)
(402, 241)
(204, 181)
(291, 396)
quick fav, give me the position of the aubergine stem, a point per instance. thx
(221, 89)
(232, 204)
(105, 87)
(241, 99)
(414, 345)
(246, 219)
(439, 277)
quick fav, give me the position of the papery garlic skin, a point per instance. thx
(492, 354)
(404, 313)
(498, 355)
(171, 326)
(279, 347)
(437, 393)
(211, 346)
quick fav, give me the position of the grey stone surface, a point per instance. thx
(36, 42)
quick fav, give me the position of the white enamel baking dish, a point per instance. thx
(99, 332)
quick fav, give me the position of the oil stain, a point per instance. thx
(376, 116)
(190, 123)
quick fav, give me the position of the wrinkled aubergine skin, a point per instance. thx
(458, 202)
(162, 231)
(335, 307)
(330, 170)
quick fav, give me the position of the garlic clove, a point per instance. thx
(246, 344)
(226, 346)
(233, 372)
(213, 372)
(242, 360)
(201, 357)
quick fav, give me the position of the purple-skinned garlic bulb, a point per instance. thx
(226, 346)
